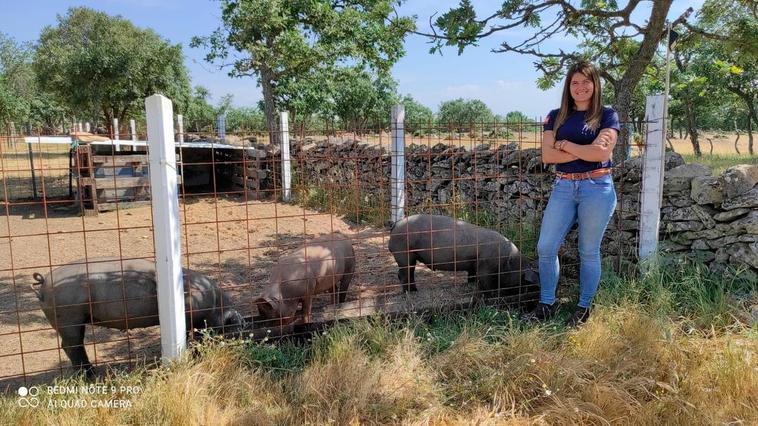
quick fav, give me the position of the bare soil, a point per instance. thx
(233, 241)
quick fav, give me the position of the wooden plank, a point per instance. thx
(122, 182)
(119, 160)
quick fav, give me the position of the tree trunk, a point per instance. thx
(751, 114)
(269, 107)
(108, 113)
(637, 65)
(750, 135)
(736, 140)
(680, 128)
(690, 113)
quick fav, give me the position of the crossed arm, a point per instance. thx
(563, 151)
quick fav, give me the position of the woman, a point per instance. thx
(579, 138)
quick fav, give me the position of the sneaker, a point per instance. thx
(542, 312)
(580, 316)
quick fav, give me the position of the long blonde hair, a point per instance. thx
(595, 112)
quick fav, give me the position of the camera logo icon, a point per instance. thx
(28, 397)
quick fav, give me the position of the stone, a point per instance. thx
(680, 200)
(628, 208)
(701, 256)
(731, 239)
(679, 238)
(744, 253)
(443, 195)
(730, 215)
(700, 245)
(746, 200)
(705, 214)
(682, 226)
(676, 185)
(673, 160)
(747, 224)
(722, 255)
(707, 190)
(667, 246)
(630, 170)
(739, 179)
(681, 215)
(689, 171)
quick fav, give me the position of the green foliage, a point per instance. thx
(419, 119)
(95, 63)
(199, 113)
(16, 80)
(463, 114)
(285, 44)
(360, 98)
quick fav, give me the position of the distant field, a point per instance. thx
(723, 144)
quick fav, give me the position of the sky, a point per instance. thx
(505, 82)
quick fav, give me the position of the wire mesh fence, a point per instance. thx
(326, 253)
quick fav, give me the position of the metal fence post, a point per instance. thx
(180, 125)
(397, 180)
(286, 163)
(652, 177)
(221, 125)
(133, 131)
(31, 160)
(165, 201)
(115, 134)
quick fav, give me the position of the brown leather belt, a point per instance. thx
(584, 175)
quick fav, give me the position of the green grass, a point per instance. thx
(720, 162)
(348, 202)
(673, 346)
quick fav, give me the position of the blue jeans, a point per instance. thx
(590, 203)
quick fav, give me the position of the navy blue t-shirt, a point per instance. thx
(575, 130)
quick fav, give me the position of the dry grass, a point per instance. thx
(634, 362)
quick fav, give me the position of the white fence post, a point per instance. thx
(397, 180)
(115, 134)
(221, 126)
(652, 177)
(286, 163)
(165, 200)
(133, 131)
(180, 125)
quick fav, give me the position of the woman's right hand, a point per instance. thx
(551, 154)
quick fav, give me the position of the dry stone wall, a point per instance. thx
(709, 218)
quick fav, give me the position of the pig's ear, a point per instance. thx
(264, 307)
(531, 277)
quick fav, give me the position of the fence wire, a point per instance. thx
(240, 235)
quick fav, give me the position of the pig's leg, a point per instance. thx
(344, 284)
(307, 309)
(347, 277)
(72, 342)
(407, 277)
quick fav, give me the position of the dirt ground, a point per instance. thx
(232, 241)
